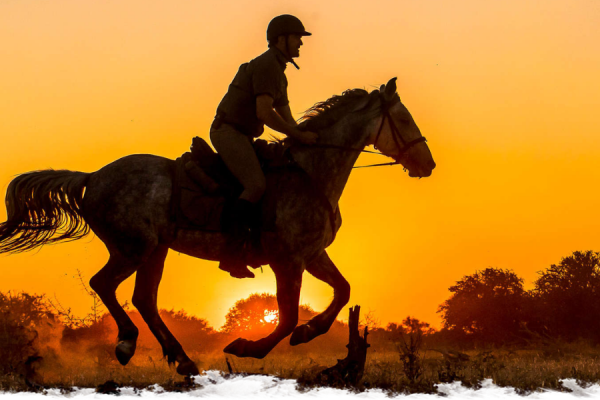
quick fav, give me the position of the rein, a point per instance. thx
(395, 135)
(333, 146)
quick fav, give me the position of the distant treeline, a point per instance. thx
(487, 308)
(34, 328)
(491, 306)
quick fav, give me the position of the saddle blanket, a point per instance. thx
(193, 207)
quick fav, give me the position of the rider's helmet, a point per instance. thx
(285, 25)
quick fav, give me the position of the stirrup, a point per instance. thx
(239, 271)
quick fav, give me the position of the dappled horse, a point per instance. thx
(127, 205)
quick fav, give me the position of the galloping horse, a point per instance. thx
(127, 205)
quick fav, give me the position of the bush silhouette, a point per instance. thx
(567, 297)
(487, 306)
(21, 316)
(257, 315)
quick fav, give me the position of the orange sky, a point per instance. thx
(506, 92)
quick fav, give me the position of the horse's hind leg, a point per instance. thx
(324, 269)
(105, 284)
(145, 298)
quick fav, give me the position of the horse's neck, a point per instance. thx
(330, 168)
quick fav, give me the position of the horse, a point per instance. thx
(127, 205)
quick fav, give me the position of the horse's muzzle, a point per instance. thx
(418, 171)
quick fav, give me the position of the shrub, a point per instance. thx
(20, 317)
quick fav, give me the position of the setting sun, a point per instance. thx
(271, 317)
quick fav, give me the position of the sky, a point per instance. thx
(506, 93)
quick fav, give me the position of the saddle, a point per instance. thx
(204, 187)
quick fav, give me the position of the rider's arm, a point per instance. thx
(286, 113)
(266, 113)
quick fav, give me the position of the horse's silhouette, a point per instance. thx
(127, 204)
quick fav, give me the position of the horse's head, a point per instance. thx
(396, 134)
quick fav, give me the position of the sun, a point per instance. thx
(271, 316)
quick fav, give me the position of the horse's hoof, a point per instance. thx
(237, 347)
(245, 348)
(303, 334)
(187, 368)
(125, 350)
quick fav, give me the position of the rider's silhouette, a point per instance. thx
(257, 96)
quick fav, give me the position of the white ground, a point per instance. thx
(215, 386)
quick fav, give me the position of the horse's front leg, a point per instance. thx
(289, 282)
(324, 269)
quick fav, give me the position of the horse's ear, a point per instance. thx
(390, 89)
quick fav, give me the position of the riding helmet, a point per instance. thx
(285, 25)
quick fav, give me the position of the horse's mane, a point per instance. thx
(325, 113)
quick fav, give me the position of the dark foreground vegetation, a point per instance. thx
(493, 329)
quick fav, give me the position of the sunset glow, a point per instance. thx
(271, 317)
(505, 92)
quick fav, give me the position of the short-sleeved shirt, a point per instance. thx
(263, 75)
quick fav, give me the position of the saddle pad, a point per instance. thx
(193, 208)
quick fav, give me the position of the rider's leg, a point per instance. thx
(238, 154)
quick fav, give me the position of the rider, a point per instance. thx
(256, 96)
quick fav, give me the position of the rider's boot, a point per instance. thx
(239, 242)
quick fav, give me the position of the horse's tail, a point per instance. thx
(43, 207)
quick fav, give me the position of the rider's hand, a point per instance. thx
(307, 137)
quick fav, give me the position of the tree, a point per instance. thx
(258, 315)
(567, 296)
(22, 316)
(486, 306)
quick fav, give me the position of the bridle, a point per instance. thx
(395, 131)
(402, 145)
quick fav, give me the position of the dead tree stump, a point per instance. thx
(349, 371)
